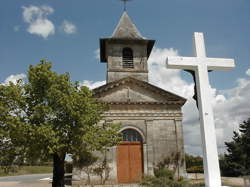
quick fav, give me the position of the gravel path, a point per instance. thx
(229, 180)
(16, 184)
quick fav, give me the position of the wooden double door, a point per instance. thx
(129, 162)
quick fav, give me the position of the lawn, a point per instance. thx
(28, 170)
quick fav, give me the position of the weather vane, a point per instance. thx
(125, 4)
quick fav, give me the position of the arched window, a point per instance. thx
(127, 58)
(131, 135)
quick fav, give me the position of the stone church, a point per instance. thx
(151, 117)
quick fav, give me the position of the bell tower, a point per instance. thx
(126, 52)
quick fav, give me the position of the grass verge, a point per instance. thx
(28, 170)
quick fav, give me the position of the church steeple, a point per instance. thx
(126, 52)
(126, 29)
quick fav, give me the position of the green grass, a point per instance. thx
(28, 170)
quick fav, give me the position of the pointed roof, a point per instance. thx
(124, 31)
(126, 28)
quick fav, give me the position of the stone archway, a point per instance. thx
(130, 157)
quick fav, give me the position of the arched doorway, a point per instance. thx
(130, 157)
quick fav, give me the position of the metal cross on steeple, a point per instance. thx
(125, 4)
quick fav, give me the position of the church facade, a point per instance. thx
(150, 117)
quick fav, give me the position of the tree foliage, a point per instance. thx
(50, 116)
(236, 162)
(9, 156)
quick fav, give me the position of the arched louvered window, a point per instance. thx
(131, 135)
(127, 58)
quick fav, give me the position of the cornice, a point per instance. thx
(127, 70)
(109, 114)
(143, 103)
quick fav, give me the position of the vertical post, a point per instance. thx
(200, 64)
(208, 135)
(199, 45)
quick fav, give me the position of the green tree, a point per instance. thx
(50, 116)
(8, 158)
(236, 162)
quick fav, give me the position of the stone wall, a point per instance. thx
(154, 113)
(162, 133)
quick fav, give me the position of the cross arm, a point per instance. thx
(175, 62)
(220, 63)
(192, 63)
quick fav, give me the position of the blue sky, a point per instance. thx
(225, 23)
(69, 32)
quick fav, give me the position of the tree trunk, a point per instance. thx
(58, 170)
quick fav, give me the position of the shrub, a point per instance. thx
(195, 169)
(163, 178)
(164, 173)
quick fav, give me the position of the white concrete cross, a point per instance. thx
(200, 64)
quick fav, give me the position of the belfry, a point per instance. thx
(151, 117)
(126, 52)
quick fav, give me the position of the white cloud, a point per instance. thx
(248, 72)
(91, 84)
(97, 54)
(43, 28)
(167, 79)
(231, 107)
(68, 27)
(171, 80)
(14, 78)
(39, 24)
(31, 13)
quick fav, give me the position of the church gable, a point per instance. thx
(130, 90)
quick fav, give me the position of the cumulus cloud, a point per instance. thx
(37, 19)
(230, 107)
(14, 79)
(168, 79)
(92, 84)
(248, 72)
(68, 27)
(97, 54)
(171, 80)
